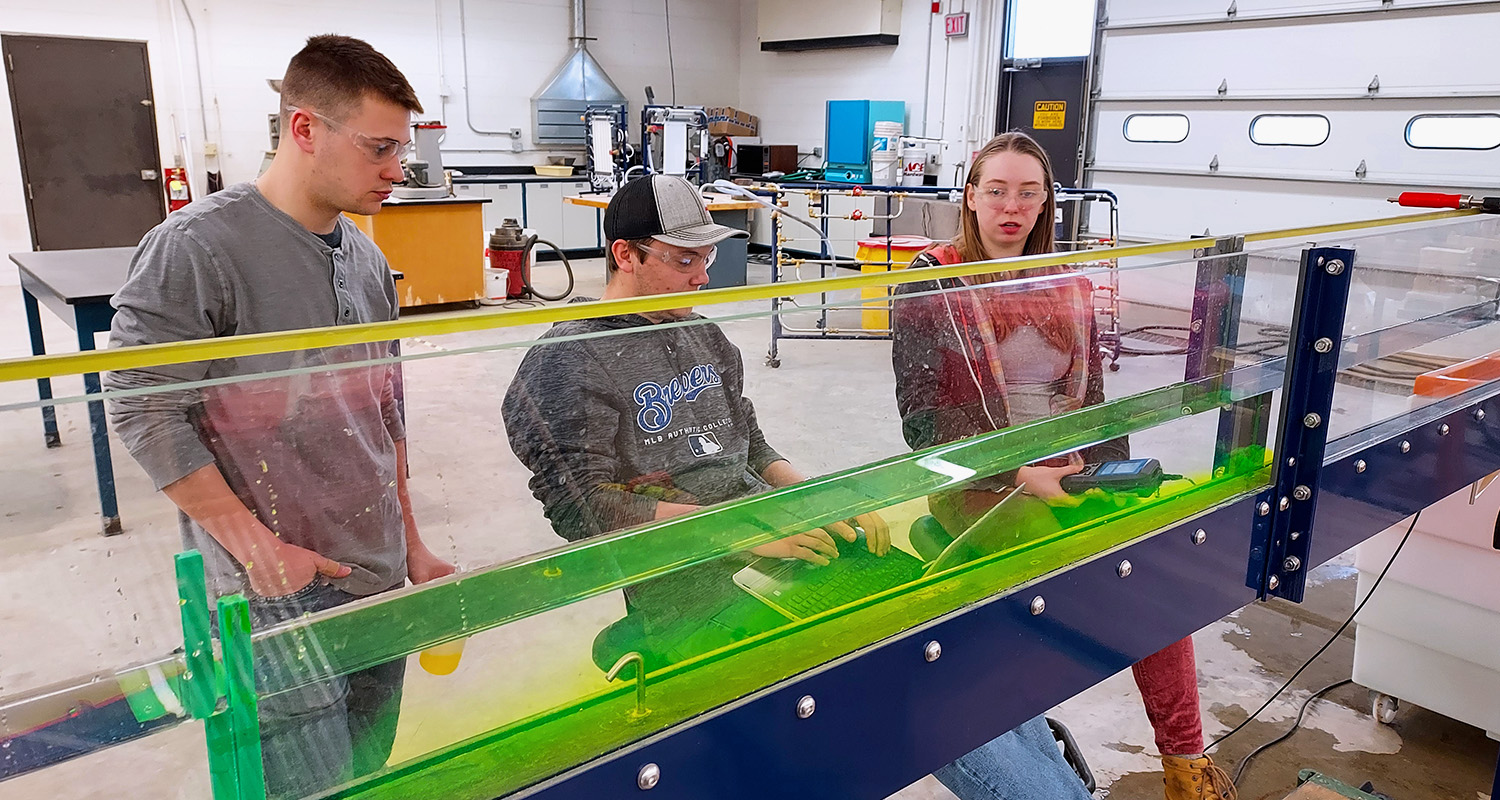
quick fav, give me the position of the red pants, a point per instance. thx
(1168, 681)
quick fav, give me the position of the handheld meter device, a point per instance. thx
(1138, 475)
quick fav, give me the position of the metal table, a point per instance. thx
(77, 285)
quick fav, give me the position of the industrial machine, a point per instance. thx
(717, 166)
(674, 140)
(425, 178)
(606, 146)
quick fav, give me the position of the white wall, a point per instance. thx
(513, 47)
(931, 73)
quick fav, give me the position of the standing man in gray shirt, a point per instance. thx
(653, 422)
(294, 486)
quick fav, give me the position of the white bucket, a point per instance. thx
(885, 154)
(913, 162)
(494, 286)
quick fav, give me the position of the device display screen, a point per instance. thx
(1122, 467)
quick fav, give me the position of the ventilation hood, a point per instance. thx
(579, 82)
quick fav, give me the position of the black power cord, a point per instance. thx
(1246, 760)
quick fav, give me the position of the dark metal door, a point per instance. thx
(1045, 98)
(86, 132)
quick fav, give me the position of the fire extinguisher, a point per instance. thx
(178, 193)
(510, 250)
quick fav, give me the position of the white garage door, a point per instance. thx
(1238, 115)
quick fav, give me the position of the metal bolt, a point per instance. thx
(1038, 605)
(806, 706)
(1283, 504)
(1200, 536)
(1360, 465)
(1334, 266)
(932, 652)
(1405, 446)
(1196, 326)
(1312, 420)
(1443, 429)
(1295, 535)
(1291, 564)
(1264, 508)
(1291, 461)
(1273, 583)
(648, 777)
(1479, 414)
(1323, 345)
(1302, 493)
(1124, 569)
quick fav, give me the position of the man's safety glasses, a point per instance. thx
(685, 261)
(378, 149)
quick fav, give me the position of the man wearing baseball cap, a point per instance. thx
(652, 422)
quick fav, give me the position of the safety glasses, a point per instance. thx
(378, 149)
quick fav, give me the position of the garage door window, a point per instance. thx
(1169, 128)
(1454, 131)
(1298, 130)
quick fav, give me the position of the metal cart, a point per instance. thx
(787, 264)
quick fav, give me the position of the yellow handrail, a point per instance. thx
(153, 355)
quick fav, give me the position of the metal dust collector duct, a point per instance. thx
(579, 82)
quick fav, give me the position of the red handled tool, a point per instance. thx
(1489, 205)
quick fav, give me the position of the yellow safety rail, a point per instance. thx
(153, 355)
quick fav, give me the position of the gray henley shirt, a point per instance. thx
(312, 455)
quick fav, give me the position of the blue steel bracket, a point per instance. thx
(1281, 534)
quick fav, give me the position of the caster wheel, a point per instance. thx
(1114, 366)
(773, 363)
(1383, 707)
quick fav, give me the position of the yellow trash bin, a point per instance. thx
(875, 314)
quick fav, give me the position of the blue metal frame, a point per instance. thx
(1283, 521)
(885, 716)
(1000, 665)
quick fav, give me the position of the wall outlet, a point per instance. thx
(210, 149)
(515, 140)
(817, 152)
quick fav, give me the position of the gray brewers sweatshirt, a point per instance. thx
(610, 425)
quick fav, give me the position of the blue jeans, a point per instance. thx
(1023, 764)
(323, 734)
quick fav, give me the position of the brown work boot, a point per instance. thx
(1196, 779)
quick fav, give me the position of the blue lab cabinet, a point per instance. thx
(850, 135)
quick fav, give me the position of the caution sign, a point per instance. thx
(1050, 115)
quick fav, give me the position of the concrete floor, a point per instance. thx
(73, 603)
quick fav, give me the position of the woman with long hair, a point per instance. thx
(977, 355)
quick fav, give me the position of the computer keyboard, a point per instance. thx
(855, 575)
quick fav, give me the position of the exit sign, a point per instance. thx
(956, 24)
